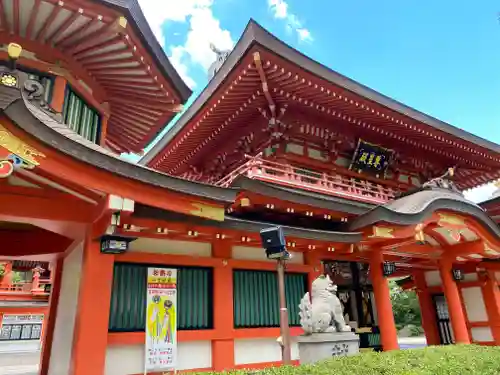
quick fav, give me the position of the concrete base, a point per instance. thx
(322, 346)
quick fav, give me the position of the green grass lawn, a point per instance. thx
(433, 360)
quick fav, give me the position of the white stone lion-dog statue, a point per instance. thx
(322, 311)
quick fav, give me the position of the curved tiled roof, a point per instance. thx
(132, 9)
(414, 208)
(47, 130)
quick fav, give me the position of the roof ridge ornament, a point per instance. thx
(221, 57)
(443, 182)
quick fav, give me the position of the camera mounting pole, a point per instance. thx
(273, 241)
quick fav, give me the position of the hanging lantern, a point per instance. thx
(115, 244)
(388, 268)
(458, 275)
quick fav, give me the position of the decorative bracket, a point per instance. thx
(14, 153)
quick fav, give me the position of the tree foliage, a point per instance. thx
(405, 307)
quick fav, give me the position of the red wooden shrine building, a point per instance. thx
(359, 182)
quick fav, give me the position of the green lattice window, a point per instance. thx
(80, 117)
(128, 298)
(256, 300)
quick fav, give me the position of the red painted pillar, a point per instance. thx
(312, 259)
(491, 296)
(91, 327)
(223, 346)
(388, 332)
(452, 295)
(6, 281)
(427, 309)
(58, 94)
(48, 336)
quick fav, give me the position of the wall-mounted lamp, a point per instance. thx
(388, 268)
(14, 51)
(458, 275)
(115, 244)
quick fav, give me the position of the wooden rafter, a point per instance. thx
(3, 17)
(48, 22)
(132, 124)
(78, 31)
(116, 27)
(70, 19)
(141, 126)
(110, 62)
(15, 16)
(265, 86)
(98, 57)
(102, 42)
(32, 19)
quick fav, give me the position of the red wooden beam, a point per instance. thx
(23, 206)
(31, 242)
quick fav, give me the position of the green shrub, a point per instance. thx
(433, 360)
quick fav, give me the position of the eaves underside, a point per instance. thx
(254, 34)
(232, 223)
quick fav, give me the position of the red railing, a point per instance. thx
(24, 287)
(331, 184)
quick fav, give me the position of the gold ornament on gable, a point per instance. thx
(14, 153)
(382, 232)
(208, 212)
(450, 220)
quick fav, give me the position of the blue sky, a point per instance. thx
(439, 56)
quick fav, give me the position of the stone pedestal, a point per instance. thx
(322, 346)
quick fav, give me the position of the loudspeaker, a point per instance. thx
(272, 238)
(273, 241)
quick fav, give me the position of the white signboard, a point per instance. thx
(161, 319)
(21, 327)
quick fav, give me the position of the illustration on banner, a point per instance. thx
(161, 319)
(162, 322)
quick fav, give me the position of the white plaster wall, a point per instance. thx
(60, 357)
(474, 304)
(470, 277)
(248, 351)
(129, 359)
(259, 254)
(164, 246)
(481, 334)
(433, 278)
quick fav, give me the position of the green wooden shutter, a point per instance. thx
(80, 117)
(128, 298)
(96, 123)
(256, 299)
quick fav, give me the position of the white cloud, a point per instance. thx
(204, 29)
(279, 8)
(176, 55)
